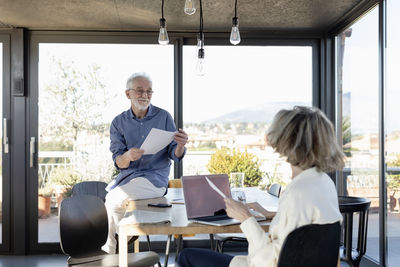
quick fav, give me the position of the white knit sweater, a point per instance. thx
(310, 198)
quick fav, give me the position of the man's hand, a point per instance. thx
(237, 210)
(181, 139)
(132, 154)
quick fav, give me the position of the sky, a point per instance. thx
(238, 77)
(361, 73)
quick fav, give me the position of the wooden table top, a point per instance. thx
(179, 223)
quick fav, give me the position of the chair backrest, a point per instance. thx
(312, 245)
(275, 190)
(83, 225)
(94, 188)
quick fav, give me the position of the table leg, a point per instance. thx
(179, 246)
(167, 250)
(136, 245)
(123, 248)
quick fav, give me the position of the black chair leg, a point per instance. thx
(212, 244)
(148, 242)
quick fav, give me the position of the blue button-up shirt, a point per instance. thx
(127, 131)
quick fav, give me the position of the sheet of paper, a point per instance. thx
(156, 140)
(144, 216)
(215, 188)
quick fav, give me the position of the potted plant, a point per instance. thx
(63, 180)
(394, 185)
(44, 201)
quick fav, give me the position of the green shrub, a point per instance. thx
(228, 161)
(394, 162)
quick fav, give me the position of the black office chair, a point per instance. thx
(312, 245)
(275, 190)
(97, 188)
(222, 239)
(348, 206)
(83, 226)
(94, 188)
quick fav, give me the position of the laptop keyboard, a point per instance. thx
(214, 218)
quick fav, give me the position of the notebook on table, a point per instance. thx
(203, 204)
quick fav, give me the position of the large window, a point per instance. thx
(358, 82)
(1, 146)
(231, 107)
(81, 89)
(392, 143)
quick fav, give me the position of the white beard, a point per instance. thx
(140, 106)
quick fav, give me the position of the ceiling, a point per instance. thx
(143, 15)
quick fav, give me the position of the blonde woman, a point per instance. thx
(306, 138)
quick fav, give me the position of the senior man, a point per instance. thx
(141, 176)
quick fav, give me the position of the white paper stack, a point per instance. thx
(145, 216)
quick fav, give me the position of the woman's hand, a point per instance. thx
(236, 210)
(257, 207)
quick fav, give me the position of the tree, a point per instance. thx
(228, 161)
(77, 100)
(71, 105)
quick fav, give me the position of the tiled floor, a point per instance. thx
(51, 261)
(60, 261)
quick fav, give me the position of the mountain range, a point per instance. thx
(259, 113)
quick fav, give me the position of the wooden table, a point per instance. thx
(179, 224)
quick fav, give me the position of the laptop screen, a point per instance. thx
(200, 199)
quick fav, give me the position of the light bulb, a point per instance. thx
(189, 9)
(200, 40)
(163, 36)
(235, 34)
(200, 63)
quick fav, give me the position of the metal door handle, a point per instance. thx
(32, 151)
(5, 136)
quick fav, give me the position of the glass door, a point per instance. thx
(392, 125)
(4, 148)
(359, 92)
(81, 88)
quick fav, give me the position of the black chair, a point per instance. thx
(312, 245)
(83, 226)
(97, 188)
(275, 190)
(222, 239)
(94, 188)
(348, 206)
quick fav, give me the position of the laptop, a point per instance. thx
(203, 204)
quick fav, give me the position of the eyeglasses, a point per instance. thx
(142, 92)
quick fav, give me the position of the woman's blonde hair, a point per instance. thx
(306, 137)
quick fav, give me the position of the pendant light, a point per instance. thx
(163, 36)
(200, 42)
(190, 8)
(235, 34)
